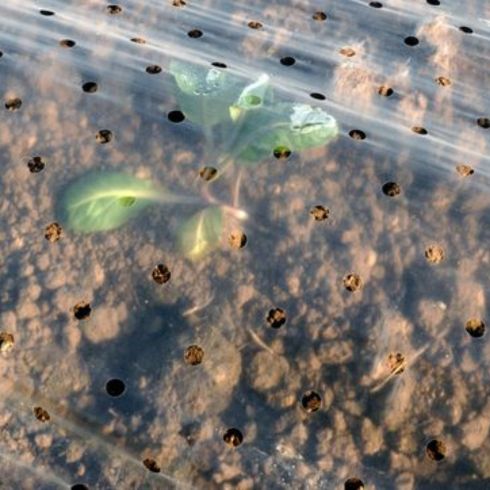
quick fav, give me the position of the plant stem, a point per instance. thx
(236, 191)
(208, 135)
(238, 213)
(241, 214)
(166, 197)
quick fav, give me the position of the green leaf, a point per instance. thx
(202, 232)
(311, 127)
(295, 127)
(107, 200)
(253, 97)
(204, 95)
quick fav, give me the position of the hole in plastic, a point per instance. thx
(352, 282)
(82, 310)
(90, 87)
(194, 355)
(36, 165)
(434, 254)
(233, 437)
(436, 450)
(348, 52)
(195, 33)
(176, 116)
(115, 387)
(114, 9)
(288, 61)
(475, 327)
(161, 274)
(357, 134)
(282, 152)
(443, 81)
(103, 136)
(7, 341)
(67, 43)
(208, 173)
(276, 317)
(13, 104)
(311, 401)
(411, 41)
(53, 232)
(237, 239)
(483, 122)
(319, 213)
(385, 91)
(41, 414)
(396, 362)
(464, 170)
(391, 189)
(320, 16)
(151, 465)
(353, 484)
(253, 24)
(153, 69)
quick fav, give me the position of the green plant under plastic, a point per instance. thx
(101, 201)
(202, 232)
(247, 121)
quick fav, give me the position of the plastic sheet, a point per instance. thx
(244, 244)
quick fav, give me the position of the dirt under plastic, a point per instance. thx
(245, 244)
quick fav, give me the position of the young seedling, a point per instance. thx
(242, 125)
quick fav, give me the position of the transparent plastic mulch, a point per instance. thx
(245, 245)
